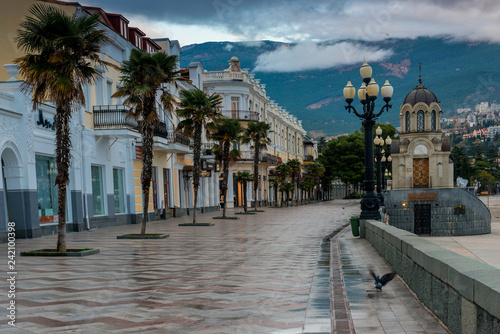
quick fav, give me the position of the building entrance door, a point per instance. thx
(422, 218)
(421, 173)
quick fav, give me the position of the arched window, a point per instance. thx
(407, 119)
(433, 120)
(420, 121)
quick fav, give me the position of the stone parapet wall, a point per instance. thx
(476, 218)
(462, 292)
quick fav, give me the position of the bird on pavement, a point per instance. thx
(381, 281)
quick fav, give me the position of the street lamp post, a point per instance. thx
(379, 152)
(367, 95)
(386, 160)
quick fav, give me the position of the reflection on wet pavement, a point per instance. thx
(263, 273)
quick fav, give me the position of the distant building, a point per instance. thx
(493, 131)
(463, 110)
(482, 107)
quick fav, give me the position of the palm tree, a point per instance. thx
(304, 186)
(316, 170)
(198, 111)
(227, 132)
(144, 78)
(282, 171)
(62, 55)
(294, 172)
(275, 181)
(256, 132)
(287, 188)
(244, 177)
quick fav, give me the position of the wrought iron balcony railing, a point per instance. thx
(241, 115)
(113, 117)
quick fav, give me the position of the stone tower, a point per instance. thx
(420, 158)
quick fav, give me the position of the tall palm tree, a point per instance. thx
(257, 133)
(199, 111)
(62, 54)
(227, 132)
(282, 171)
(244, 177)
(316, 170)
(144, 79)
(294, 172)
(275, 181)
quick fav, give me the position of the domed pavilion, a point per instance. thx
(420, 158)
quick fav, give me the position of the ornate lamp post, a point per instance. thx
(367, 95)
(379, 152)
(386, 160)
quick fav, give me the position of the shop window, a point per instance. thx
(47, 191)
(97, 190)
(118, 192)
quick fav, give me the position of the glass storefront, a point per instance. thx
(97, 190)
(46, 172)
(118, 190)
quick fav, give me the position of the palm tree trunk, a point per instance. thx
(245, 196)
(196, 163)
(225, 173)
(147, 169)
(276, 195)
(63, 158)
(256, 174)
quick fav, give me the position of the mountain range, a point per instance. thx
(461, 74)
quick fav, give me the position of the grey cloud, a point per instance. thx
(299, 20)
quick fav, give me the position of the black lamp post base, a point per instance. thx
(380, 197)
(370, 206)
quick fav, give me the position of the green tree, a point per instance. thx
(228, 131)
(199, 111)
(316, 171)
(257, 133)
(275, 181)
(244, 177)
(144, 78)
(295, 168)
(343, 158)
(282, 171)
(62, 54)
(461, 163)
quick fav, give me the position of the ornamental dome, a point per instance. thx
(420, 94)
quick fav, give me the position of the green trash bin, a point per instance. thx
(355, 226)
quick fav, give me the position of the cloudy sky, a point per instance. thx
(309, 22)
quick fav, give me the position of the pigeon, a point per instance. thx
(381, 281)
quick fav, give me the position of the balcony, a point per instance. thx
(265, 158)
(170, 141)
(113, 121)
(241, 115)
(269, 159)
(223, 76)
(308, 158)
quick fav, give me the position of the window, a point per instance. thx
(118, 193)
(235, 106)
(166, 188)
(109, 91)
(433, 120)
(98, 92)
(407, 121)
(86, 94)
(154, 185)
(97, 190)
(420, 121)
(47, 192)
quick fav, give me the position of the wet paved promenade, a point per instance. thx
(252, 275)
